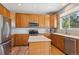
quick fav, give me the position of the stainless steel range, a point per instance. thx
(5, 42)
(33, 25)
(33, 32)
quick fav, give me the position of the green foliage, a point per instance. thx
(65, 23)
(73, 22)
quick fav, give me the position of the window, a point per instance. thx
(70, 21)
(74, 20)
(65, 22)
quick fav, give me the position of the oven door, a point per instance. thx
(5, 48)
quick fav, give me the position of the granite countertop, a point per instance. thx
(38, 38)
(67, 35)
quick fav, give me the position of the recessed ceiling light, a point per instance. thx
(19, 4)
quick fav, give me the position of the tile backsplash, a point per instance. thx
(26, 30)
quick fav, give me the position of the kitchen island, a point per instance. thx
(39, 45)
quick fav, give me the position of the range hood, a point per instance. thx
(33, 24)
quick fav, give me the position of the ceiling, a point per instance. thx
(36, 8)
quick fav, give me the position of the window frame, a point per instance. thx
(60, 21)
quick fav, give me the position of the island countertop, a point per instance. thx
(38, 38)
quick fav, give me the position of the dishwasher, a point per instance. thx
(70, 46)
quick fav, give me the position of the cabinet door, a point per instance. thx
(41, 21)
(52, 21)
(21, 39)
(47, 21)
(54, 39)
(1, 9)
(58, 41)
(24, 20)
(6, 12)
(61, 43)
(18, 20)
(77, 46)
(34, 18)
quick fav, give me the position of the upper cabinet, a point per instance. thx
(34, 18)
(4, 11)
(18, 20)
(1, 9)
(41, 21)
(22, 20)
(47, 21)
(25, 20)
(54, 21)
(51, 21)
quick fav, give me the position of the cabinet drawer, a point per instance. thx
(21, 39)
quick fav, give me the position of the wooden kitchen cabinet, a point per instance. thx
(21, 39)
(22, 20)
(54, 21)
(68, 45)
(18, 20)
(47, 21)
(25, 20)
(44, 21)
(34, 18)
(1, 9)
(4, 11)
(58, 41)
(41, 21)
(54, 39)
(51, 21)
(77, 46)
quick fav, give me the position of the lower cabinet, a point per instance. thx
(68, 45)
(58, 41)
(21, 39)
(77, 46)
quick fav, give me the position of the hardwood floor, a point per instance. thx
(19, 50)
(23, 50)
(55, 51)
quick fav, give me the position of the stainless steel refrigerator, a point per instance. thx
(5, 33)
